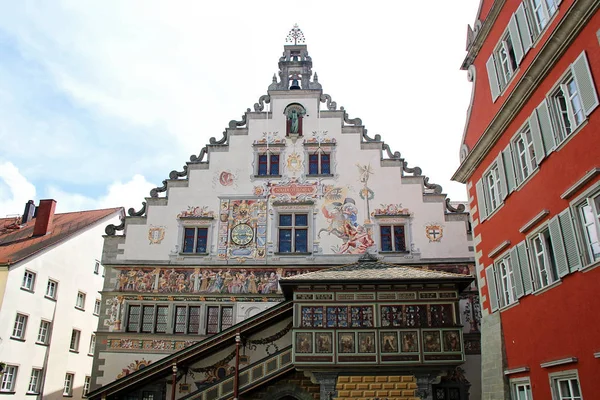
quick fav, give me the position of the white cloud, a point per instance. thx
(15, 190)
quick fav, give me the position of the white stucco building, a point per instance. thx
(50, 277)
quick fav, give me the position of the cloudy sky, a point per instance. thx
(99, 100)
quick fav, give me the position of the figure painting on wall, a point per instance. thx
(366, 342)
(431, 341)
(451, 341)
(389, 342)
(324, 342)
(346, 342)
(304, 342)
(410, 342)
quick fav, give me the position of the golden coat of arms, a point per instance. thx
(434, 232)
(156, 234)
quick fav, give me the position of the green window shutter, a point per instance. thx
(524, 31)
(558, 248)
(511, 181)
(481, 204)
(569, 239)
(536, 135)
(524, 268)
(502, 176)
(515, 38)
(491, 284)
(493, 77)
(514, 263)
(543, 115)
(585, 83)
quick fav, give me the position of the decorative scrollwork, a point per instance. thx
(460, 208)
(265, 98)
(176, 174)
(353, 121)
(325, 98)
(140, 213)
(437, 189)
(225, 360)
(154, 192)
(367, 138)
(392, 156)
(112, 229)
(234, 124)
(223, 140)
(416, 171)
(199, 158)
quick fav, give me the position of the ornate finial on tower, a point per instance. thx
(295, 35)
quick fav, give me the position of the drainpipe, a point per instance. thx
(174, 381)
(236, 378)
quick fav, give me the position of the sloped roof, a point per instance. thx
(19, 244)
(371, 270)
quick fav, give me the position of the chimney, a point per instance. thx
(44, 217)
(29, 212)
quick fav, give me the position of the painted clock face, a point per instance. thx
(242, 234)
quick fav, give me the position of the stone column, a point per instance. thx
(425, 382)
(327, 381)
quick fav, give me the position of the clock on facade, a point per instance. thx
(242, 234)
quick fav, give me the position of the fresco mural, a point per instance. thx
(249, 215)
(204, 281)
(196, 212)
(390, 209)
(342, 222)
(226, 178)
(134, 366)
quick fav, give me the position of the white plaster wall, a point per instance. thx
(204, 189)
(71, 264)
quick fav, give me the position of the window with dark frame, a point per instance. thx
(187, 320)
(319, 163)
(195, 240)
(293, 233)
(268, 164)
(218, 318)
(393, 238)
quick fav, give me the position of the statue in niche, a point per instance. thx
(294, 114)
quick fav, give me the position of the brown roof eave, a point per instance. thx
(461, 282)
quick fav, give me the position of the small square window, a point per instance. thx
(293, 233)
(80, 302)
(195, 240)
(9, 378)
(74, 343)
(268, 164)
(19, 327)
(51, 289)
(34, 381)
(28, 281)
(319, 163)
(393, 238)
(68, 387)
(521, 389)
(44, 332)
(218, 319)
(97, 307)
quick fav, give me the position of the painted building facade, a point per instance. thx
(529, 158)
(294, 187)
(50, 278)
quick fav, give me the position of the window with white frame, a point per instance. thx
(19, 327)
(86, 385)
(68, 387)
(565, 386)
(506, 282)
(147, 318)
(187, 320)
(492, 187)
(567, 109)
(589, 217)
(74, 343)
(97, 307)
(506, 61)
(541, 11)
(92, 345)
(9, 378)
(195, 240)
(97, 267)
(51, 289)
(80, 301)
(524, 153)
(543, 261)
(293, 232)
(521, 390)
(34, 381)
(218, 318)
(44, 332)
(28, 281)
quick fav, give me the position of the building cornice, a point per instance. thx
(575, 19)
(482, 34)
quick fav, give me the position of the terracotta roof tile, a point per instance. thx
(18, 244)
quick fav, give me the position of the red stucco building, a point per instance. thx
(530, 157)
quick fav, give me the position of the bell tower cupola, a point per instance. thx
(295, 65)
